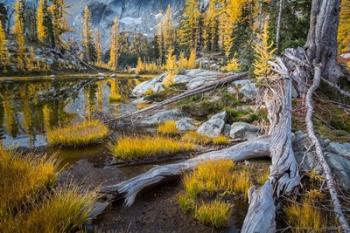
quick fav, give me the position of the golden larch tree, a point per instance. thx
(114, 52)
(211, 27)
(264, 53)
(188, 32)
(99, 52)
(4, 57)
(165, 33)
(344, 26)
(87, 38)
(18, 30)
(230, 14)
(41, 18)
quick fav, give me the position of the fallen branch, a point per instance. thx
(319, 153)
(335, 86)
(225, 80)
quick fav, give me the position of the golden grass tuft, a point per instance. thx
(221, 140)
(196, 138)
(211, 176)
(81, 134)
(22, 178)
(168, 128)
(29, 204)
(305, 216)
(186, 202)
(216, 213)
(64, 211)
(242, 182)
(128, 148)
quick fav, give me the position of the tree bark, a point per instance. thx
(278, 27)
(321, 46)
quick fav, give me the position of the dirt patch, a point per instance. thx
(155, 211)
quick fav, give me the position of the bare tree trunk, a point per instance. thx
(320, 157)
(321, 46)
(278, 28)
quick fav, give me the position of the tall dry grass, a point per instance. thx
(81, 134)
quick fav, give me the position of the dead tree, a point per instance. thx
(321, 46)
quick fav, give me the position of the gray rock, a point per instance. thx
(200, 77)
(214, 126)
(243, 131)
(338, 148)
(182, 79)
(340, 167)
(249, 91)
(227, 130)
(162, 116)
(155, 85)
(185, 124)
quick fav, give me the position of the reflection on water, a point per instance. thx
(29, 108)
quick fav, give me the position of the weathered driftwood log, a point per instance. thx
(259, 148)
(284, 173)
(319, 153)
(223, 81)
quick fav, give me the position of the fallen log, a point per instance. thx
(258, 148)
(223, 81)
(319, 153)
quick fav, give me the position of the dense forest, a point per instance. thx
(230, 116)
(225, 32)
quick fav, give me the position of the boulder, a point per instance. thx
(185, 124)
(155, 85)
(162, 116)
(243, 131)
(179, 79)
(197, 78)
(245, 87)
(214, 126)
(340, 167)
(339, 148)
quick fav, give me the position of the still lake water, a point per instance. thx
(31, 106)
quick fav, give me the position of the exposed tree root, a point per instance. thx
(319, 153)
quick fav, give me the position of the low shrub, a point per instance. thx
(129, 148)
(81, 134)
(168, 128)
(216, 213)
